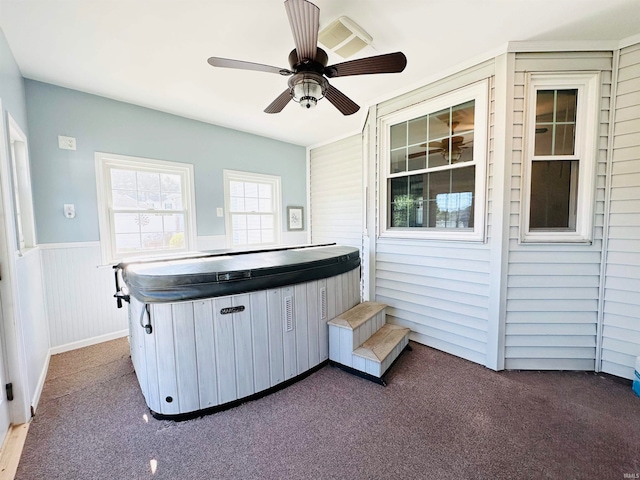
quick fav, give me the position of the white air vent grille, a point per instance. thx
(288, 314)
(344, 37)
(323, 303)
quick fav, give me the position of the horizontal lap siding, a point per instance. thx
(438, 290)
(552, 290)
(336, 192)
(621, 311)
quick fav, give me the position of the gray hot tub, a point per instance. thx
(210, 331)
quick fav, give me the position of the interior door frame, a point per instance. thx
(15, 354)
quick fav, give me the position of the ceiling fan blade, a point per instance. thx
(387, 63)
(304, 18)
(228, 63)
(279, 103)
(341, 101)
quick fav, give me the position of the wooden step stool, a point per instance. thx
(362, 343)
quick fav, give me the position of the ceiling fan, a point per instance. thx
(308, 64)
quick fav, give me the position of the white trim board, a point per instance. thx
(563, 46)
(629, 41)
(88, 342)
(43, 377)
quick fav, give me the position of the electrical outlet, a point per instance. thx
(66, 143)
(69, 210)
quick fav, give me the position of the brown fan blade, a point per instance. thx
(304, 18)
(279, 103)
(228, 63)
(387, 63)
(341, 101)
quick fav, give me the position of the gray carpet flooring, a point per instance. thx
(440, 417)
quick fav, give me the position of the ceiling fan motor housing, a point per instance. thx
(316, 64)
(308, 85)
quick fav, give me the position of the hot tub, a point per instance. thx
(210, 331)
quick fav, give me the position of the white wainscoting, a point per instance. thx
(79, 296)
(79, 293)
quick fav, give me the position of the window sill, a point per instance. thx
(547, 238)
(435, 235)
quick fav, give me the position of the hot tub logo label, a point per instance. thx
(228, 310)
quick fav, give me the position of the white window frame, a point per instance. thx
(479, 92)
(240, 176)
(586, 136)
(104, 162)
(21, 185)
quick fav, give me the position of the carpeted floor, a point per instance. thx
(440, 417)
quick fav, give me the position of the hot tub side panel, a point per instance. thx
(197, 357)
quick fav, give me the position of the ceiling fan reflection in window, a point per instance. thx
(451, 147)
(308, 64)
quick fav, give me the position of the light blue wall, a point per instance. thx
(11, 85)
(102, 125)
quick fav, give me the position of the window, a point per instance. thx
(21, 180)
(560, 152)
(252, 207)
(145, 206)
(433, 157)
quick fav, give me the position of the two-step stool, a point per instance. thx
(362, 343)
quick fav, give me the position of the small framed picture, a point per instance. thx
(295, 218)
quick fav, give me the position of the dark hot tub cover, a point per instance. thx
(208, 276)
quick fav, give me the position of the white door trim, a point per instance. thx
(19, 408)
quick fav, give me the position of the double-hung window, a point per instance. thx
(433, 163)
(145, 206)
(560, 156)
(252, 204)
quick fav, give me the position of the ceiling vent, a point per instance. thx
(344, 37)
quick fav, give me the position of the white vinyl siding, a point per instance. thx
(621, 310)
(552, 290)
(438, 289)
(336, 189)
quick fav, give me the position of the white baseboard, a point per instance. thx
(43, 376)
(88, 342)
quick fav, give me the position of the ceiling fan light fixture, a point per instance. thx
(455, 151)
(306, 88)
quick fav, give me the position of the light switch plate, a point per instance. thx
(66, 143)
(219, 212)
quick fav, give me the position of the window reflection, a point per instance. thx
(438, 189)
(443, 199)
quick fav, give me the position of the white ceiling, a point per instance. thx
(154, 52)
